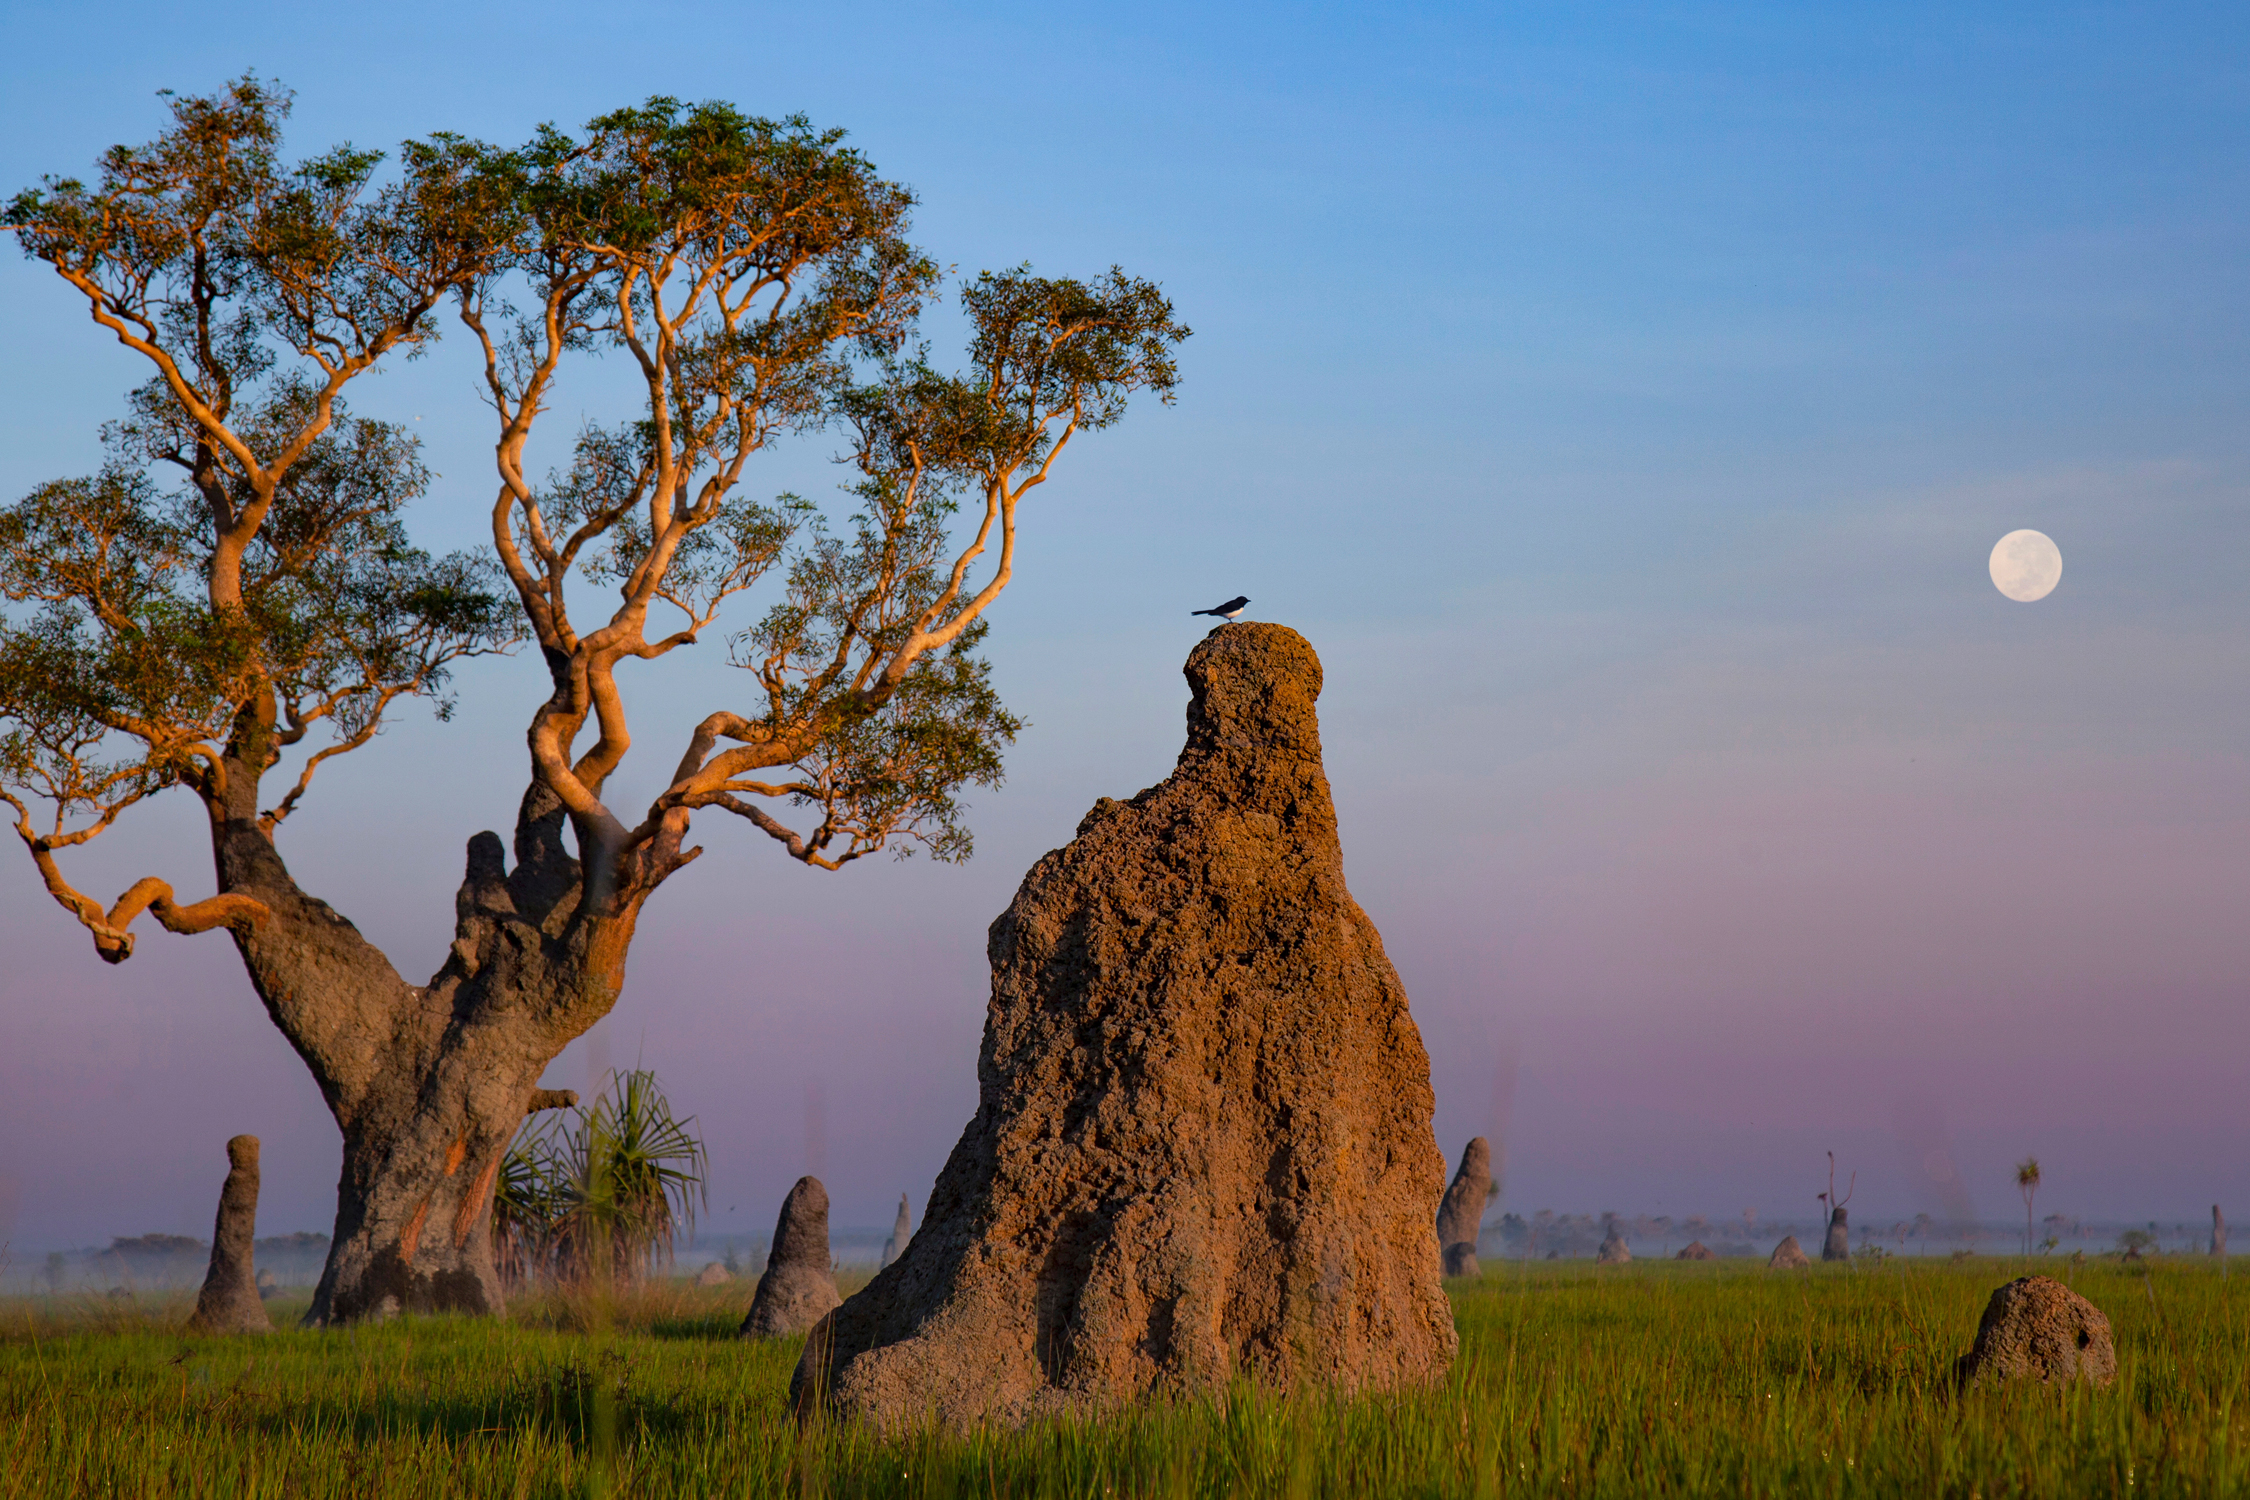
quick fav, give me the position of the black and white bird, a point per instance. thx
(1227, 610)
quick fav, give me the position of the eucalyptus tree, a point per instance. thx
(266, 610)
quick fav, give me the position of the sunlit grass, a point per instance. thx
(1647, 1379)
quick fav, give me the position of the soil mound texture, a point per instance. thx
(902, 1230)
(1789, 1256)
(2036, 1326)
(1202, 1143)
(713, 1274)
(1838, 1245)
(1612, 1252)
(1461, 1215)
(229, 1302)
(799, 1287)
(1461, 1260)
(1695, 1250)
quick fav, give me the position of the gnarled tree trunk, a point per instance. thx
(428, 1083)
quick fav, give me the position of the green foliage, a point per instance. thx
(238, 573)
(758, 274)
(1050, 344)
(705, 203)
(1658, 1379)
(526, 1203)
(206, 243)
(596, 1193)
(755, 271)
(884, 759)
(126, 674)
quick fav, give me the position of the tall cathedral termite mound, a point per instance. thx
(1202, 1144)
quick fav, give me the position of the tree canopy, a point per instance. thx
(237, 580)
(238, 574)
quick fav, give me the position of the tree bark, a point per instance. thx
(428, 1083)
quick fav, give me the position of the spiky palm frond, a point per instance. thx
(634, 1173)
(525, 1203)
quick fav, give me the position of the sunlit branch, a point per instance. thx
(111, 938)
(799, 849)
(271, 819)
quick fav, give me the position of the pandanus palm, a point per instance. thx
(2027, 1183)
(598, 1195)
(524, 1207)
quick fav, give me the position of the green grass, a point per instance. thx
(1646, 1380)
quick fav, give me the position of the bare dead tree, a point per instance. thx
(757, 276)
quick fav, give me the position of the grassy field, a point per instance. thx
(1645, 1380)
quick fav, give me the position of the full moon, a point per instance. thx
(2026, 565)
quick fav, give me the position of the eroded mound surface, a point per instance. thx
(2035, 1326)
(229, 1301)
(798, 1288)
(1202, 1144)
(1461, 1213)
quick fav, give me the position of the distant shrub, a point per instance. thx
(156, 1246)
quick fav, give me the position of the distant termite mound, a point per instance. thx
(1461, 1213)
(902, 1230)
(798, 1288)
(1202, 1144)
(229, 1301)
(1838, 1245)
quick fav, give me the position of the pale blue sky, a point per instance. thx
(1624, 406)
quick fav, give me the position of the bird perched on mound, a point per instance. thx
(1227, 610)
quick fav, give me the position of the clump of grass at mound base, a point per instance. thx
(1660, 1379)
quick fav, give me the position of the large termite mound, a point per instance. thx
(1202, 1143)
